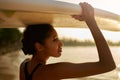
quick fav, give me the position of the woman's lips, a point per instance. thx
(60, 50)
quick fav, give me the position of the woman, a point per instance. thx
(41, 41)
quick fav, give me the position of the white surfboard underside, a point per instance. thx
(19, 13)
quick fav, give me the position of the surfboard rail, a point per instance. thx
(19, 13)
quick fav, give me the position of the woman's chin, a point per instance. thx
(58, 54)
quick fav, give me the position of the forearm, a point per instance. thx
(104, 53)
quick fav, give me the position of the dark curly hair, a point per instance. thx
(35, 33)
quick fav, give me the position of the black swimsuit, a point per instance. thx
(27, 75)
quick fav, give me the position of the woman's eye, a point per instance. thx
(55, 39)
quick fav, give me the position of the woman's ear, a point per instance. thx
(38, 47)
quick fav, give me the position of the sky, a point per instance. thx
(85, 34)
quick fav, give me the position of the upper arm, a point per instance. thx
(72, 70)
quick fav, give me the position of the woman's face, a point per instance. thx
(53, 46)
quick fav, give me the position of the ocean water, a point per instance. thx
(11, 62)
(86, 54)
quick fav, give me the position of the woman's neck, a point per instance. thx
(37, 60)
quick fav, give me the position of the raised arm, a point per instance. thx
(105, 56)
(105, 63)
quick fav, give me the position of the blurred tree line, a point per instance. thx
(9, 39)
(74, 42)
(13, 35)
(9, 35)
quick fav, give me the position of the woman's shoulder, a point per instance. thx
(23, 63)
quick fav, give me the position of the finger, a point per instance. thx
(78, 17)
(82, 6)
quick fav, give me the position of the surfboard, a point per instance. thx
(19, 13)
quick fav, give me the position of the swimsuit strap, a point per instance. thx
(27, 75)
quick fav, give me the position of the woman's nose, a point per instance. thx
(61, 43)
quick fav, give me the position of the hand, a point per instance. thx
(87, 12)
